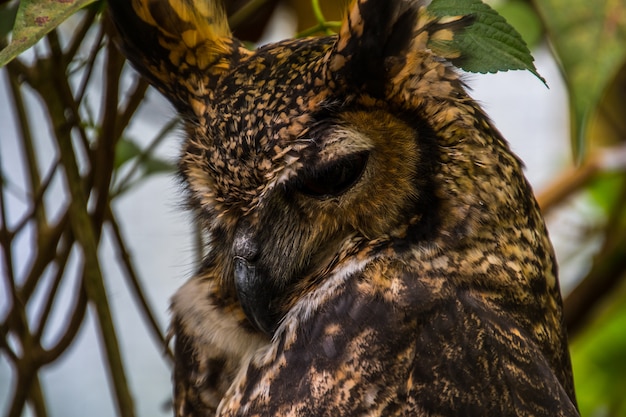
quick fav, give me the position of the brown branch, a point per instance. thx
(37, 198)
(247, 10)
(25, 373)
(71, 329)
(4, 332)
(78, 35)
(93, 53)
(25, 72)
(104, 153)
(26, 365)
(198, 243)
(136, 97)
(575, 179)
(46, 252)
(82, 227)
(26, 140)
(86, 233)
(36, 398)
(6, 238)
(568, 183)
(60, 262)
(58, 61)
(608, 270)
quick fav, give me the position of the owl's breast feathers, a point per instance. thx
(373, 246)
(385, 341)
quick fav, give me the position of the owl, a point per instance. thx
(373, 246)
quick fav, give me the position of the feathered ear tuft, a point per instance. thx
(372, 31)
(376, 37)
(181, 46)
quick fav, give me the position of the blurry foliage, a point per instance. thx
(598, 355)
(96, 161)
(589, 40)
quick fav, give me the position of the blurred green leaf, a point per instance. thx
(145, 164)
(523, 18)
(125, 150)
(7, 18)
(34, 19)
(489, 44)
(599, 362)
(605, 190)
(156, 166)
(590, 40)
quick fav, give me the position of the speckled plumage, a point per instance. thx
(374, 247)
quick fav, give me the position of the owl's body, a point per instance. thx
(374, 247)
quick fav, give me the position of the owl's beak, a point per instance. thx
(253, 295)
(254, 290)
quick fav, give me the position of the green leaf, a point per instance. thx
(489, 43)
(125, 150)
(7, 18)
(589, 38)
(523, 18)
(605, 190)
(35, 18)
(146, 164)
(156, 166)
(598, 362)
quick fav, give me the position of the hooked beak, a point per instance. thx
(255, 289)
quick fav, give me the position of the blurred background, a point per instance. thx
(94, 239)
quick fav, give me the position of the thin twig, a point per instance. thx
(199, 244)
(575, 179)
(46, 252)
(608, 269)
(28, 149)
(24, 375)
(241, 15)
(322, 24)
(91, 59)
(136, 98)
(68, 335)
(103, 157)
(36, 398)
(37, 197)
(317, 12)
(136, 287)
(60, 262)
(79, 34)
(6, 238)
(327, 28)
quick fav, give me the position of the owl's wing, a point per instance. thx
(398, 345)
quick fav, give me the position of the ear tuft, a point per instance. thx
(372, 31)
(181, 46)
(376, 37)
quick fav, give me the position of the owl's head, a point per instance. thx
(302, 153)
